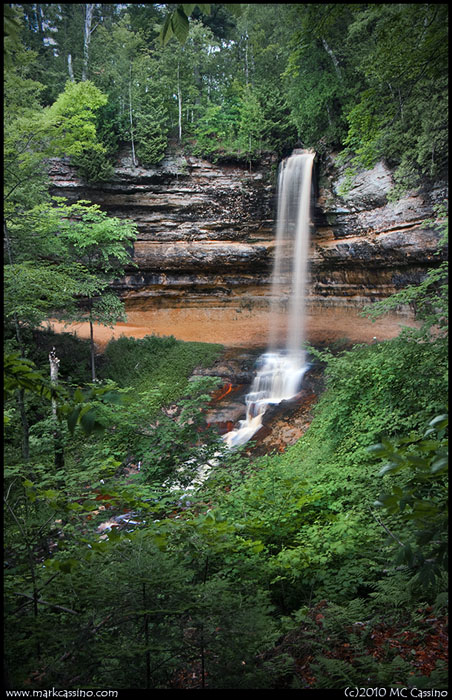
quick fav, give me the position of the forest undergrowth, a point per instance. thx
(321, 567)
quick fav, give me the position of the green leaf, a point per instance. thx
(439, 465)
(67, 565)
(188, 9)
(74, 506)
(113, 397)
(376, 449)
(89, 505)
(88, 421)
(235, 10)
(78, 395)
(418, 461)
(180, 25)
(440, 421)
(160, 541)
(50, 494)
(113, 535)
(72, 419)
(391, 467)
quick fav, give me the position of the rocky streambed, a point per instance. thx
(282, 424)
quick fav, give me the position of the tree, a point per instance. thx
(88, 30)
(69, 123)
(38, 283)
(404, 66)
(90, 249)
(151, 131)
(101, 246)
(252, 125)
(150, 112)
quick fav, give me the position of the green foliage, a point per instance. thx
(151, 131)
(93, 165)
(24, 174)
(403, 67)
(87, 250)
(420, 497)
(162, 435)
(92, 238)
(177, 25)
(254, 542)
(251, 124)
(21, 373)
(11, 29)
(214, 126)
(370, 79)
(169, 623)
(351, 641)
(71, 119)
(76, 408)
(151, 360)
(34, 292)
(365, 130)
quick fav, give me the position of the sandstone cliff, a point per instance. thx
(206, 232)
(366, 247)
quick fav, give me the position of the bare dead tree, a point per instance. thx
(57, 437)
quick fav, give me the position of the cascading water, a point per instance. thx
(281, 369)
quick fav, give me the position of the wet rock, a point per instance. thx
(230, 412)
(237, 370)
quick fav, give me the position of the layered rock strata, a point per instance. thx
(365, 246)
(206, 232)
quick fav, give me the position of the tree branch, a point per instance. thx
(44, 602)
(394, 537)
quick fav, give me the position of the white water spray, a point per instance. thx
(281, 368)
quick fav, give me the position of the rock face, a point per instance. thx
(206, 232)
(366, 247)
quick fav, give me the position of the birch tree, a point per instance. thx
(88, 30)
(57, 437)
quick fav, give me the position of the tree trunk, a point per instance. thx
(39, 19)
(202, 643)
(70, 68)
(57, 437)
(198, 83)
(179, 101)
(89, 9)
(32, 565)
(333, 58)
(131, 118)
(247, 68)
(146, 642)
(93, 362)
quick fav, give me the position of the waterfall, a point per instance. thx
(280, 370)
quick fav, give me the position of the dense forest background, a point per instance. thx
(248, 78)
(321, 567)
